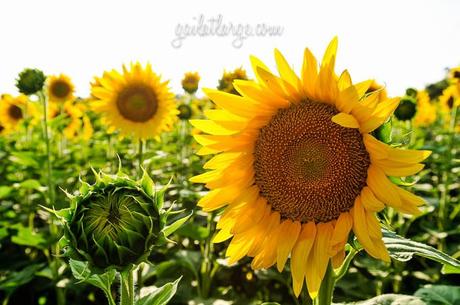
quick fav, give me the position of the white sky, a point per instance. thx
(399, 42)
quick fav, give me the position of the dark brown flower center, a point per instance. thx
(60, 89)
(457, 74)
(137, 103)
(450, 102)
(308, 167)
(15, 112)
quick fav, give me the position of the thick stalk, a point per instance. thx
(126, 287)
(206, 266)
(327, 287)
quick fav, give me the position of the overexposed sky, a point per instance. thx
(398, 42)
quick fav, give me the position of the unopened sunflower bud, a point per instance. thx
(30, 81)
(406, 109)
(185, 112)
(115, 222)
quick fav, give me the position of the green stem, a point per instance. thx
(327, 287)
(109, 296)
(127, 288)
(346, 264)
(141, 156)
(206, 266)
(48, 150)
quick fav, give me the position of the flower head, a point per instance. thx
(297, 169)
(30, 81)
(190, 82)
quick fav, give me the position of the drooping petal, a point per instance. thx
(300, 254)
(289, 232)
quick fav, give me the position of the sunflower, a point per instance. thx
(14, 110)
(60, 88)
(298, 169)
(449, 99)
(136, 101)
(454, 74)
(426, 111)
(226, 82)
(379, 88)
(190, 82)
(76, 123)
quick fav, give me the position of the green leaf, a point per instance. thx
(19, 278)
(403, 249)
(168, 230)
(30, 184)
(24, 158)
(449, 269)
(5, 191)
(439, 295)
(160, 296)
(83, 273)
(270, 303)
(26, 237)
(193, 231)
(389, 299)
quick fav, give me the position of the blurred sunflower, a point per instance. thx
(298, 169)
(76, 124)
(60, 88)
(190, 82)
(13, 110)
(135, 101)
(454, 74)
(449, 99)
(226, 82)
(426, 111)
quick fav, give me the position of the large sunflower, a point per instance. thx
(298, 168)
(60, 88)
(136, 101)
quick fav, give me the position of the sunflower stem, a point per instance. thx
(126, 287)
(140, 156)
(327, 287)
(48, 150)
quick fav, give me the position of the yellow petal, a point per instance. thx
(341, 230)
(383, 189)
(361, 229)
(392, 168)
(212, 128)
(285, 70)
(233, 103)
(300, 253)
(309, 73)
(221, 236)
(382, 112)
(271, 82)
(344, 80)
(330, 53)
(318, 258)
(369, 201)
(289, 232)
(345, 120)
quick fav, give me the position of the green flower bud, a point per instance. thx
(406, 109)
(411, 92)
(115, 222)
(30, 81)
(185, 112)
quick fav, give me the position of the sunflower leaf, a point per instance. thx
(161, 295)
(403, 249)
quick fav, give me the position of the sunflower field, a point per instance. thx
(291, 187)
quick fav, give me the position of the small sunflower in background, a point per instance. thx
(75, 124)
(190, 82)
(13, 110)
(226, 81)
(449, 99)
(454, 75)
(60, 88)
(297, 168)
(426, 111)
(134, 101)
(406, 109)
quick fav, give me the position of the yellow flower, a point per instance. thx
(76, 125)
(60, 88)
(454, 75)
(379, 88)
(450, 97)
(297, 168)
(426, 111)
(14, 110)
(226, 82)
(135, 101)
(190, 82)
